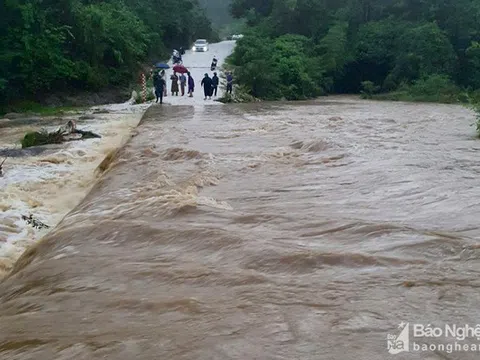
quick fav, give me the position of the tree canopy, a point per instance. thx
(54, 45)
(298, 49)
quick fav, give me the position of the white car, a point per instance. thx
(236, 37)
(200, 45)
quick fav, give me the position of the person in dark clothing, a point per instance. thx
(191, 85)
(159, 84)
(214, 64)
(164, 77)
(215, 81)
(229, 82)
(207, 86)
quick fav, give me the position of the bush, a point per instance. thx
(476, 107)
(272, 69)
(369, 89)
(433, 88)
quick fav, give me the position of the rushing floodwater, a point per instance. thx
(270, 231)
(49, 181)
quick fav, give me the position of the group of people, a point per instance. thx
(160, 85)
(210, 85)
(179, 83)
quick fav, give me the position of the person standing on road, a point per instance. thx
(207, 86)
(213, 66)
(183, 82)
(191, 85)
(229, 83)
(215, 82)
(160, 86)
(174, 79)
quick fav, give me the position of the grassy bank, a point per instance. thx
(434, 89)
(28, 107)
(475, 106)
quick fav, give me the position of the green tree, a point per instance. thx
(388, 44)
(70, 45)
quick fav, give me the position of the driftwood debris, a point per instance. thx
(69, 132)
(1, 167)
(37, 224)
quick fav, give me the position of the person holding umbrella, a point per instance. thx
(182, 70)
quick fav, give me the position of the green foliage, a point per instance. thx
(476, 108)
(275, 68)
(472, 65)
(431, 47)
(150, 95)
(43, 137)
(240, 95)
(369, 89)
(56, 46)
(425, 49)
(433, 88)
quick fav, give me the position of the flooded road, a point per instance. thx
(260, 231)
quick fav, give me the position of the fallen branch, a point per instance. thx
(1, 167)
(66, 133)
(34, 222)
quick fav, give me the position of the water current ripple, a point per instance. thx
(259, 231)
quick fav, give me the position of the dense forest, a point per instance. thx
(51, 46)
(427, 50)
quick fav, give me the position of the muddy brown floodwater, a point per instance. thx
(267, 231)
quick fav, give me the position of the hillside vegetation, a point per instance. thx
(426, 50)
(55, 46)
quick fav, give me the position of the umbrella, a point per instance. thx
(180, 69)
(162, 66)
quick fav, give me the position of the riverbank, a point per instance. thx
(58, 103)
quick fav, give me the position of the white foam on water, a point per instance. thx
(51, 184)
